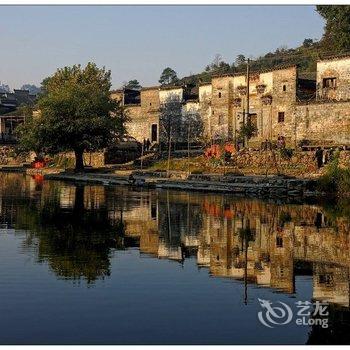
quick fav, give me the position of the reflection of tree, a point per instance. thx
(174, 219)
(75, 242)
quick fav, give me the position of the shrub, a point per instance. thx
(286, 153)
(336, 180)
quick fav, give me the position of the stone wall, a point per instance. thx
(137, 126)
(221, 119)
(8, 156)
(322, 123)
(303, 160)
(205, 93)
(93, 159)
(150, 105)
(267, 160)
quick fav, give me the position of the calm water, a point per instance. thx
(107, 265)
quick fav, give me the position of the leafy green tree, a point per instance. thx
(168, 76)
(240, 59)
(247, 131)
(133, 84)
(308, 42)
(337, 29)
(76, 114)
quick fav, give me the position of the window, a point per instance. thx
(326, 279)
(279, 242)
(153, 211)
(281, 117)
(219, 94)
(284, 88)
(150, 103)
(329, 82)
(154, 132)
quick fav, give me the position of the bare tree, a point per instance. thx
(170, 121)
(192, 129)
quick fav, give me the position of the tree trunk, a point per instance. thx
(79, 162)
(169, 155)
(188, 149)
(79, 200)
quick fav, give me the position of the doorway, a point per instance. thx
(254, 121)
(154, 133)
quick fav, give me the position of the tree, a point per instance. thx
(33, 89)
(75, 242)
(218, 65)
(168, 76)
(216, 61)
(240, 59)
(76, 114)
(308, 42)
(133, 84)
(337, 29)
(247, 131)
(192, 129)
(170, 121)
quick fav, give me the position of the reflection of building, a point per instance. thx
(261, 243)
(331, 284)
(247, 240)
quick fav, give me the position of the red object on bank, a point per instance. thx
(215, 151)
(38, 164)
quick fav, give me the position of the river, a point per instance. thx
(114, 265)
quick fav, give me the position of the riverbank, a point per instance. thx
(250, 186)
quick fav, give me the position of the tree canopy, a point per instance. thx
(168, 76)
(337, 28)
(133, 84)
(76, 113)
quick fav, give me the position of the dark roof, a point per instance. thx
(333, 57)
(150, 88)
(203, 84)
(171, 87)
(238, 74)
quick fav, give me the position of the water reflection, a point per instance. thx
(76, 229)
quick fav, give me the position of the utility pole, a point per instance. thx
(247, 109)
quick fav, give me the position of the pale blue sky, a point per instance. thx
(139, 41)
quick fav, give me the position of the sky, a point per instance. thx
(138, 42)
